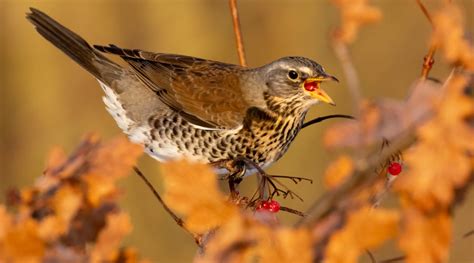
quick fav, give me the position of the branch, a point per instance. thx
(342, 53)
(428, 60)
(179, 221)
(237, 32)
(425, 11)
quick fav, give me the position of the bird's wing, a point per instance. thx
(205, 93)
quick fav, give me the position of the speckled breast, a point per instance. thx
(263, 142)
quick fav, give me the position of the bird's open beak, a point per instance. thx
(312, 85)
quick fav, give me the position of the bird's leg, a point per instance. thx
(235, 178)
(236, 172)
(274, 187)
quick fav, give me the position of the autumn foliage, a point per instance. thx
(71, 213)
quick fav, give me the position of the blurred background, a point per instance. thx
(46, 99)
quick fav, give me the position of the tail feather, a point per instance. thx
(74, 46)
(123, 52)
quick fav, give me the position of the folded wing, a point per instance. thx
(205, 93)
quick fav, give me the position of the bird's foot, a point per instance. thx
(235, 176)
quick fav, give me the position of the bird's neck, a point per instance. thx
(294, 107)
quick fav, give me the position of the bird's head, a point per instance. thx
(291, 77)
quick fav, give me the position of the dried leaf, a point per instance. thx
(425, 237)
(235, 242)
(286, 245)
(386, 119)
(22, 243)
(439, 165)
(338, 171)
(243, 239)
(55, 220)
(117, 227)
(365, 229)
(191, 189)
(66, 203)
(116, 158)
(5, 222)
(430, 182)
(448, 34)
(354, 14)
(446, 137)
(111, 162)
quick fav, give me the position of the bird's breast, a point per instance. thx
(264, 142)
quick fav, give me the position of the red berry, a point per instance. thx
(311, 86)
(269, 205)
(274, 206)
(265, 205)
(394, 168)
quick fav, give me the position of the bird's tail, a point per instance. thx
(75, 47)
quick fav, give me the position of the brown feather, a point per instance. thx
(205, 93)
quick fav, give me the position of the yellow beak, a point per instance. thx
(312, 85)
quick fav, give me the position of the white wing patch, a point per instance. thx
(136, 133)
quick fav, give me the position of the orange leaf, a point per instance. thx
(65, 203)
(22, 243)
(449, 35)
(243, 239)
(425, 237)
(110, 162)
(438, 163)
(365, 228)
(191, 189)
(106, 247)
(338, 171)
(5, 222)
(354, 13)
(286, 245)
(115, 158)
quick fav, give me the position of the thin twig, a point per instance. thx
(177, 219)
(237, 32)
(322, 118)
(468, 234)
(371, 256)
(342, 53)
(428, 60)
(425, 11)
(395, 259)
(292, 211)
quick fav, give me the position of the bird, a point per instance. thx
(179, 106)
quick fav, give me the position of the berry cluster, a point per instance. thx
(269, 205)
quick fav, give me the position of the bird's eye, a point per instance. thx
(292, 74)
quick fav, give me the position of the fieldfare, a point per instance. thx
(185, 107)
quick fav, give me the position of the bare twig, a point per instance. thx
(381, 195)
(178, 220)
(371, 256)
(468, 234)
(395, 259)
(425, 11)
(237, 32)
(428, 60)
(292, 211)
(342, 53)
(322, 118)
